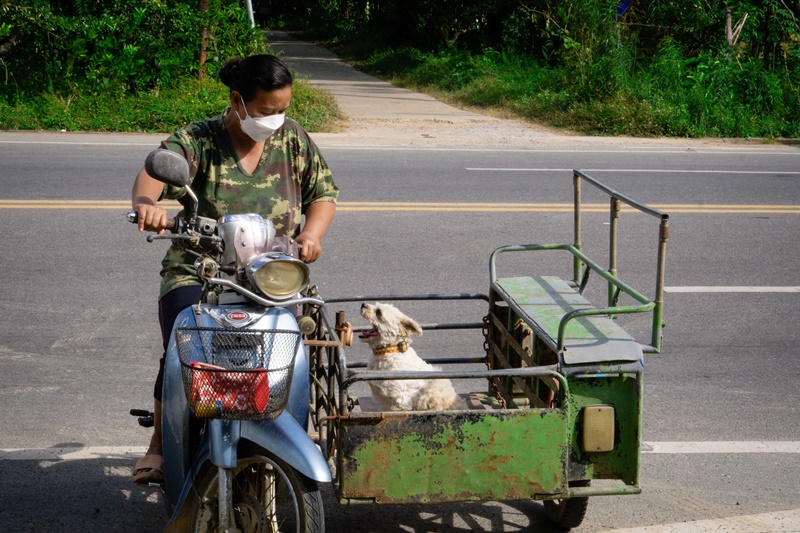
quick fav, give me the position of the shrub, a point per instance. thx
(124, 46)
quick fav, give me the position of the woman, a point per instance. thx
(250, 159)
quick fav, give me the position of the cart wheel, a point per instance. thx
(567, 513)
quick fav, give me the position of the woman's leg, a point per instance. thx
(169, 307)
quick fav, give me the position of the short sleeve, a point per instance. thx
(315, 175)
(188, 142)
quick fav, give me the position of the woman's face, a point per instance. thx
(264, 103)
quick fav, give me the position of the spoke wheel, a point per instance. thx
(567, 513)
(268, 497)
(249, 514)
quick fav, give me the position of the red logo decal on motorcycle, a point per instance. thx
(238, 316)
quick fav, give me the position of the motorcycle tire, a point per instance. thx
(268, 496)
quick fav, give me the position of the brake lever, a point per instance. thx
(151, 238)
(195, 239)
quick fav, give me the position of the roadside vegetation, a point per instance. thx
(661, 68)
(128, 65)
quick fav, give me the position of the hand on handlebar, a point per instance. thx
(152, 218)
(310, 248)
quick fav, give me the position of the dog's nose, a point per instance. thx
(364, 306)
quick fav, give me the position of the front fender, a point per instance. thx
(289, 442)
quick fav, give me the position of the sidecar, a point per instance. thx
(550, 403)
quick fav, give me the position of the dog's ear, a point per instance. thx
(409, 326)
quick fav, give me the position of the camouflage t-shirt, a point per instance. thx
(290, 176)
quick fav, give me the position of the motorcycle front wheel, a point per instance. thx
(268, 497)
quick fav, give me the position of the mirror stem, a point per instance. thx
(196, 203)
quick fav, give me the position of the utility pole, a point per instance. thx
(203, 7)
(250, 13)
(728, 27)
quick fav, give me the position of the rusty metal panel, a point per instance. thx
(462, 456)
(624, 393)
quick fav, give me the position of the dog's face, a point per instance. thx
(389, 325)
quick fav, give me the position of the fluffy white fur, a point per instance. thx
(391, 327)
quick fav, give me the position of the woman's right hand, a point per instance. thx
(144, 196)
(152, 218)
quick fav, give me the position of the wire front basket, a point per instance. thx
(236, 374)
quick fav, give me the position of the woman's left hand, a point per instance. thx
(310, 248)
(318, 218)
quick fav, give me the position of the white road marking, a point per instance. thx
(84, 143)
(677, 150)
(659, 171)
(75, 453)
(439, 207)
(72, 453)
(728, 447)
(731, 289)
(781, 521)
(336, 144)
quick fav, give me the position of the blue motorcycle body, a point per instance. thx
(284, 437)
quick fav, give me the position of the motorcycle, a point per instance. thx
(235, 411)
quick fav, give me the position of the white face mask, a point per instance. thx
(259, 129)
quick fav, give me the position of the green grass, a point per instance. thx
(159, 111)
(667, 95)
(664, 95)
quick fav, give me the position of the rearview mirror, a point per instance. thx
(167, 167)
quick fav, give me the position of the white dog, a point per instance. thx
(390, 342)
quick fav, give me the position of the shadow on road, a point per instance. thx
(91, 495)
(519, 516)
(97, 495)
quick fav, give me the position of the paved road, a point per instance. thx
(424, 202)
(358, 95)
(78, 343)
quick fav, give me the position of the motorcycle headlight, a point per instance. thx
(278, 276)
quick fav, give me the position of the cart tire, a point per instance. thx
(567, 513)
(294, 504)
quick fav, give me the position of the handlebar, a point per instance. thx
(180, 231)
(264, 301)
(177, 227)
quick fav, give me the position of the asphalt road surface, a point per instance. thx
(79, 340)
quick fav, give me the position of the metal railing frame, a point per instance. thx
(615, 286)
(615, 199)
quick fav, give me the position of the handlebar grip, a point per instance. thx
(173, 226)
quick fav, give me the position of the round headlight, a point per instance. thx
(278, 276)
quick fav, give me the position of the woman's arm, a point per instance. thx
(144, 196)
(318, 217)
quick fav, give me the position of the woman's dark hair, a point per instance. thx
(264, 71)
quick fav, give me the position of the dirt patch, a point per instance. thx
(502, 133)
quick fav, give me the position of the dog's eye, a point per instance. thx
(378, 313)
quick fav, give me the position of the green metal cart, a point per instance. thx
(557, 410)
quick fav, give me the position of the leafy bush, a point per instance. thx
(704, 96)
(124, 46)
(660, 68)
(128, 65)
(157, 111)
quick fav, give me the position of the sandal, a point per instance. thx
(149, 469)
